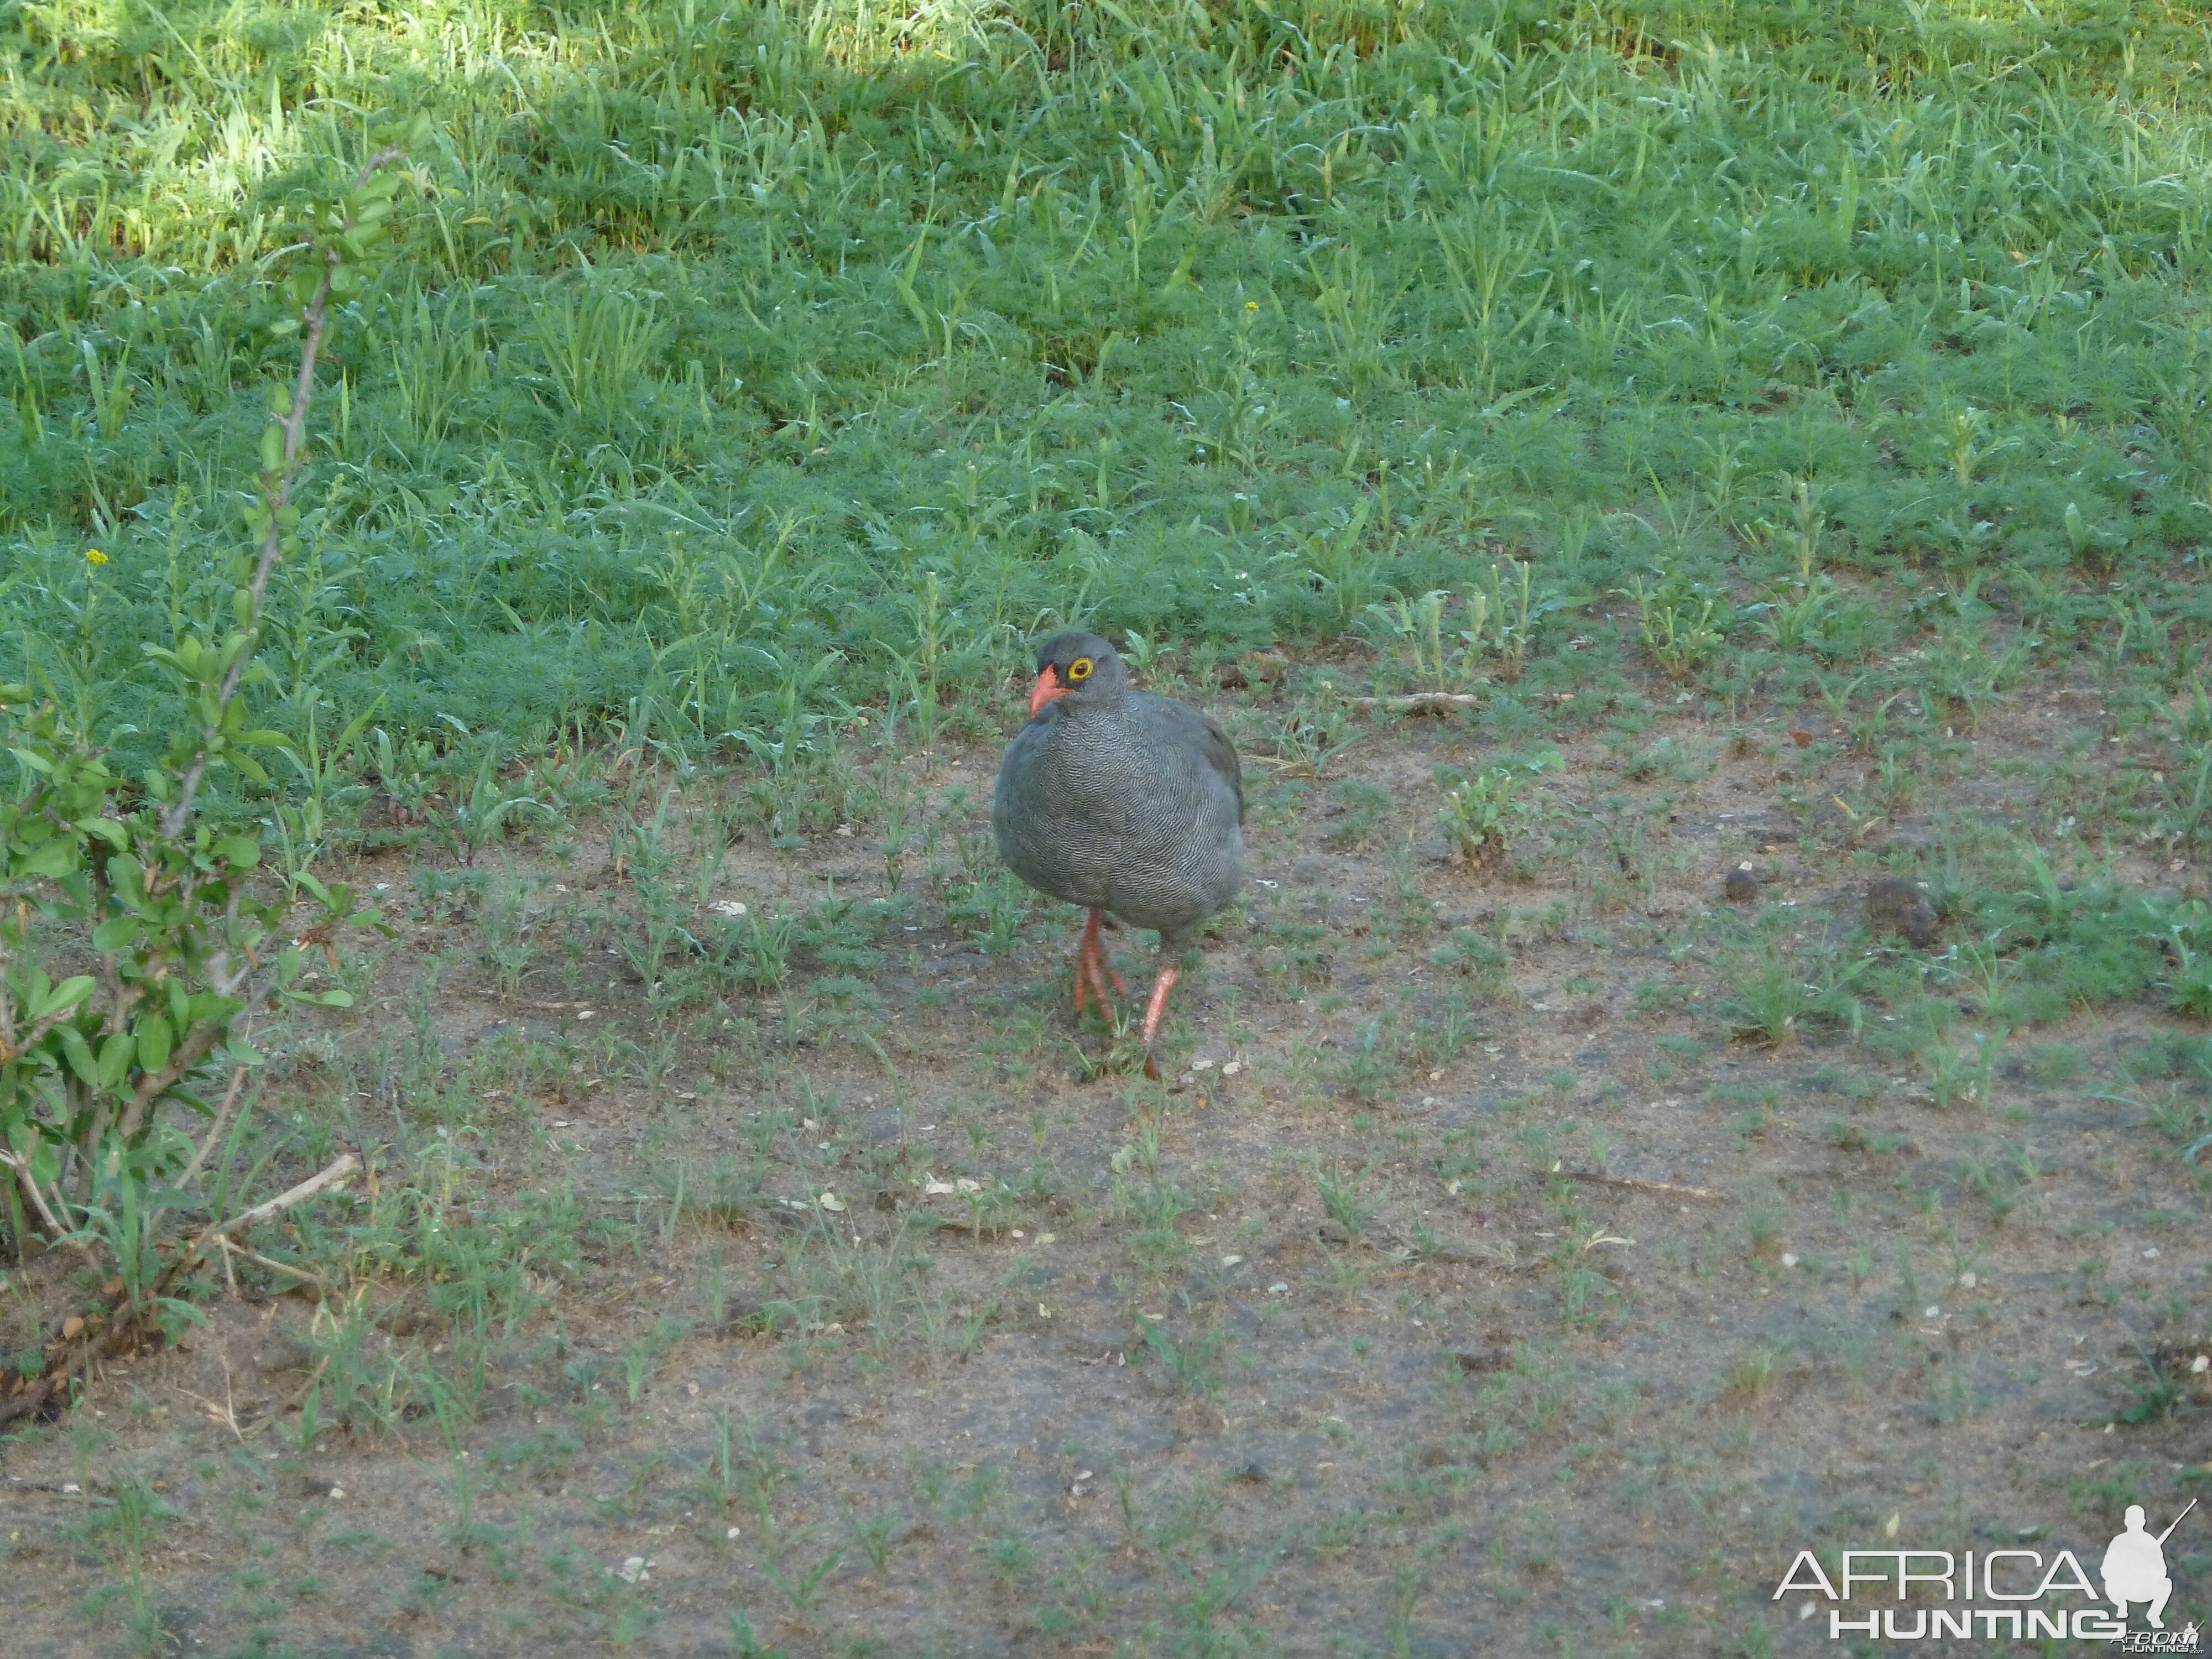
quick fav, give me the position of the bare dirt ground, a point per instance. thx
(1474, 1287)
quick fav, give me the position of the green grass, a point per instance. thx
(725, 349)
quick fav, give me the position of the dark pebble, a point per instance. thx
(284, 1351)
(1900, 910)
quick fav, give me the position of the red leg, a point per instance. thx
(1082, 961)
(1155, 1010)
(1099, 958)
(1092, 971)
(1083, 967)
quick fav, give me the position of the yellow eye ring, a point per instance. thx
(1078, 670)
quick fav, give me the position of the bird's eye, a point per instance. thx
(1078, 670)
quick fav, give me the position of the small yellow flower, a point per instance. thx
(93, 556)
(1251, 305)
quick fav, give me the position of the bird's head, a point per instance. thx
(1080, 667)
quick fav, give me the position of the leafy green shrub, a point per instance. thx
(1480, 816)
(139, 939)
(1682, 624)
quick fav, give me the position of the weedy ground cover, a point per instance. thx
(1578, 453)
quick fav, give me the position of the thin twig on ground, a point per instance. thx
(1420, 703)
(1663, 1188)
(56, 1233)
(338, 1169)
(274, 1266)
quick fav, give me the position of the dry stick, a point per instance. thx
(227, 1414)
(215, 1130)
(340, 1167)
(230, 1249)
(22, 1166)
(1664, 1187)
(1421, 702)
(55, 1231)
(276, 1267)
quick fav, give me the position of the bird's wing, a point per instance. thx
(1203, 732)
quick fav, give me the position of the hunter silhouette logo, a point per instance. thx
(2002, 1594)
(2135, 1567)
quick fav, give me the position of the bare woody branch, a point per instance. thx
(55, 1231)
(1421, 702)
(338, 1169)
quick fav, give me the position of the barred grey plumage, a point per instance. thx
(1120, 801)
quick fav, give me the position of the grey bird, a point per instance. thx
(1121, 801)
